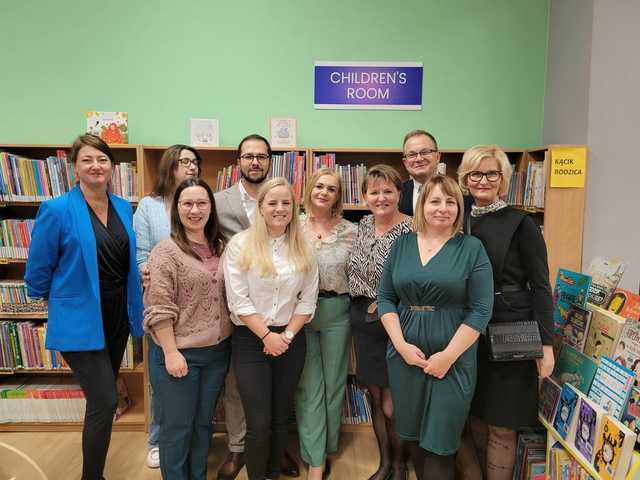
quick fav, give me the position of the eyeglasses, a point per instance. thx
(492, 175)
(422, 153)
(261, 157)
(185, 162)
(188, 205)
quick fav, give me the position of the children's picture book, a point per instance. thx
(577, 326)
(587, 422)
(548, 400)
(604, 332)
(571, 287)
(282, 132)
(614, 448)
(631, 417)
(625, 303)
(611, 387)
(204, 132)
(112, 127)
(605, 275)
(575, 368)
(565, 413)
(627, 350)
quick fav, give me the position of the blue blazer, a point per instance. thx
(63, 268)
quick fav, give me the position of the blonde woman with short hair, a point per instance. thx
(321, 390)
(271, 281)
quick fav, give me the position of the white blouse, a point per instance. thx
(277, 298)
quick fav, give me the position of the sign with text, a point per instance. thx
(364, 85)
(568, 167)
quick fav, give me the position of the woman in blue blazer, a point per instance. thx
(82, 260)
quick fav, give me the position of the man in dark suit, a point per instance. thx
(420, 156)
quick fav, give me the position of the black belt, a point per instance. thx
(510, 289)
(329, 294)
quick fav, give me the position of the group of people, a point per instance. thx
(243, 294)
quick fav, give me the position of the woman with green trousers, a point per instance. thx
(321, 388)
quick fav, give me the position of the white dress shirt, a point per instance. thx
(416, 193)
(277, 298)
(249, 203)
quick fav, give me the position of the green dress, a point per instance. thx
(458, 283)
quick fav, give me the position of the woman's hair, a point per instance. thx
(211, 228)
(166, 179)
(449, 187)
(382, 172)
(88, 140)
(336, 209)
(257, 251)
(472, 158)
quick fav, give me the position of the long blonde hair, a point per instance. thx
(256, 251)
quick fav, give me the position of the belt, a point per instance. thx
(422, 308)
(329, 294)
(510, 289)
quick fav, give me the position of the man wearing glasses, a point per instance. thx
(236, 207)
(420, 157)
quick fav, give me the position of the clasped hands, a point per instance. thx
(436, 365)
(275, 344)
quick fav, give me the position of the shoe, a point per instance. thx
(289, 466)
(153, 457)
(327, 469)
(231, 466)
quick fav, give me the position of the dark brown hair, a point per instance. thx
(89, 140)
(254, 136)
(166, 179)
(211, 229)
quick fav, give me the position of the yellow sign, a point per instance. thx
(568, 167)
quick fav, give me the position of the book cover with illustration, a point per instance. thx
(577, 326)
(587, 423)
(112, 127)
(605, 275)
(571, 287)
(614, 448)
(611, 387)
(565, 413)
(631, 417)
(604, 332)
(625, 303)
(575, 368)
(627, 350)
(548, 400)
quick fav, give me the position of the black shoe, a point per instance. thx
(289, 466)
(327, 469)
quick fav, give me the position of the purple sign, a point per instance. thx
(360, 85)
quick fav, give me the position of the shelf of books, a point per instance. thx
(590, 406)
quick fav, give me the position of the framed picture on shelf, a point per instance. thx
(282, 132)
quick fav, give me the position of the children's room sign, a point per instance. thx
(368, 85)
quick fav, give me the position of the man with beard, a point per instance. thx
(236, 207)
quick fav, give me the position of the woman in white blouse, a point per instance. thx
(271, 280)
(321, 389)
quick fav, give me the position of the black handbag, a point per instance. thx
(512, 341)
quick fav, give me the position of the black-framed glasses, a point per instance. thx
(260, 157)
(422, 153)
(492, 175)
(185, 162)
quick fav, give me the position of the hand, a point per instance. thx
(412, 355)
(274, 344)
(546, 363)
(145, 276)
(175, 364)
(439, 364)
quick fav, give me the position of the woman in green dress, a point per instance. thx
(434, 299)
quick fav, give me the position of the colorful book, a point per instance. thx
(577, 327)
(548, 400)
(604, 332)
(112, 127)
(587, 423)
(605, 275)
(625, 303)
(627, 350)
(575, 368)
(614, 449)
(611, 387)
(571, 287)
(566, 412)
(631, 417)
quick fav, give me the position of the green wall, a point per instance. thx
(242, 61)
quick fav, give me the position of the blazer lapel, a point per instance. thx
(235, 206)
(84, 231)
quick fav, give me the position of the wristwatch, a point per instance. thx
(288, 334)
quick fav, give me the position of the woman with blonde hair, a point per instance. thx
(320, 392)
(434, 300)
(376, 234)
(506, 398)
(271, 281)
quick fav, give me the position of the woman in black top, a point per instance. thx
(506, 397)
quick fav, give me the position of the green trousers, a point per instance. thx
(321, 389)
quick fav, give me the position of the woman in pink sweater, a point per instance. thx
(187, 317)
